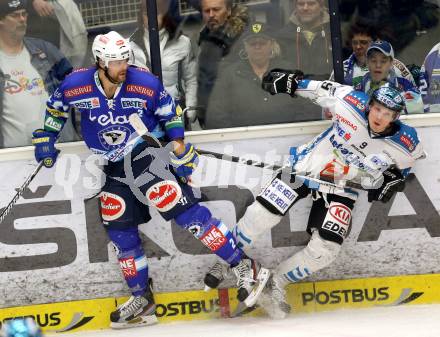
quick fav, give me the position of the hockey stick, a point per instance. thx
(329, 186)
(20, 191)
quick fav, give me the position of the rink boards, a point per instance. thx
(196, 305)
(53, 248)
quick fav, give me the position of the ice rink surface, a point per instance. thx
(403, 321)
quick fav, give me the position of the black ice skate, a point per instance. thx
(251, 279)
(216, 275)
(273, 299)
(137, 311)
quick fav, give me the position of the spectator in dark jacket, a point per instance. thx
(224, 23)
(237, 98)
(30, 70)
(306, 41)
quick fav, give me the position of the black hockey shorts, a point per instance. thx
(145, 182)
(331, 219)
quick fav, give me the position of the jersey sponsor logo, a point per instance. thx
(112, 206)
(106, 119)
(136, 103)
(120, 42)
(355, 102)
(350, 157)
(164, 195)
(214, 239)
(345, 121)
(78, 91)
(128, 267)
(88, 103)
(340, 213)
(79, 70)
(53, 124)
(407, 142)
(346, 296)
(57, 93)
(334, 170)
(139, 89)
(342, 133)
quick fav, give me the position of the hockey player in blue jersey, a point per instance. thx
(366, 144)
(106, 95)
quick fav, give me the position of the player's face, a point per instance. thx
(14, 24)
(379, 65)
(258, 49)
(215, 13)
(360, 44)
(380, 117)
(117, 70)
(308, 11)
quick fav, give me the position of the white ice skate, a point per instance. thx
(251, 279)
(137, 311)
(273, 299)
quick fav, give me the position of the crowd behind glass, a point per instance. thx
(214, 56)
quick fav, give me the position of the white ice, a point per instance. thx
(403, 321)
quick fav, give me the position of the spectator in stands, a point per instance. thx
(355, 67)
(430, 80)
(237, 98)
(30, 69)
(59, 22)
(306, 41)
(177, 57)
(380, 56)
(224, 24)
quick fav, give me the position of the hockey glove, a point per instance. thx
(281, 81)
(44, 142)
(393, 181)
(185, 163)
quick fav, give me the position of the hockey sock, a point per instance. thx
(132, 259)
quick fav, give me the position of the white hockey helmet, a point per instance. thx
(111, 47)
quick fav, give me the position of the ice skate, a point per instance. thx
(273, 299)
(251, 279)
(216, 275)
(137, 311)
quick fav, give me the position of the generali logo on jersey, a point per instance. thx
(139, 89)
(86, 89)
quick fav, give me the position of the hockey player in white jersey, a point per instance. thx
(366, 144)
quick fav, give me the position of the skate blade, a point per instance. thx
(207, 288)
(242, 309)
(262, 278)
(135, 322)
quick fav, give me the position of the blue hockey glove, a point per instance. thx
(44, 142)
(185, 163)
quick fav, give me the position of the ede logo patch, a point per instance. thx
(164, 195)
(112, 206)
(341, 213)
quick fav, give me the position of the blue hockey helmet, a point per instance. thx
(21, 327)
(390, 98)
